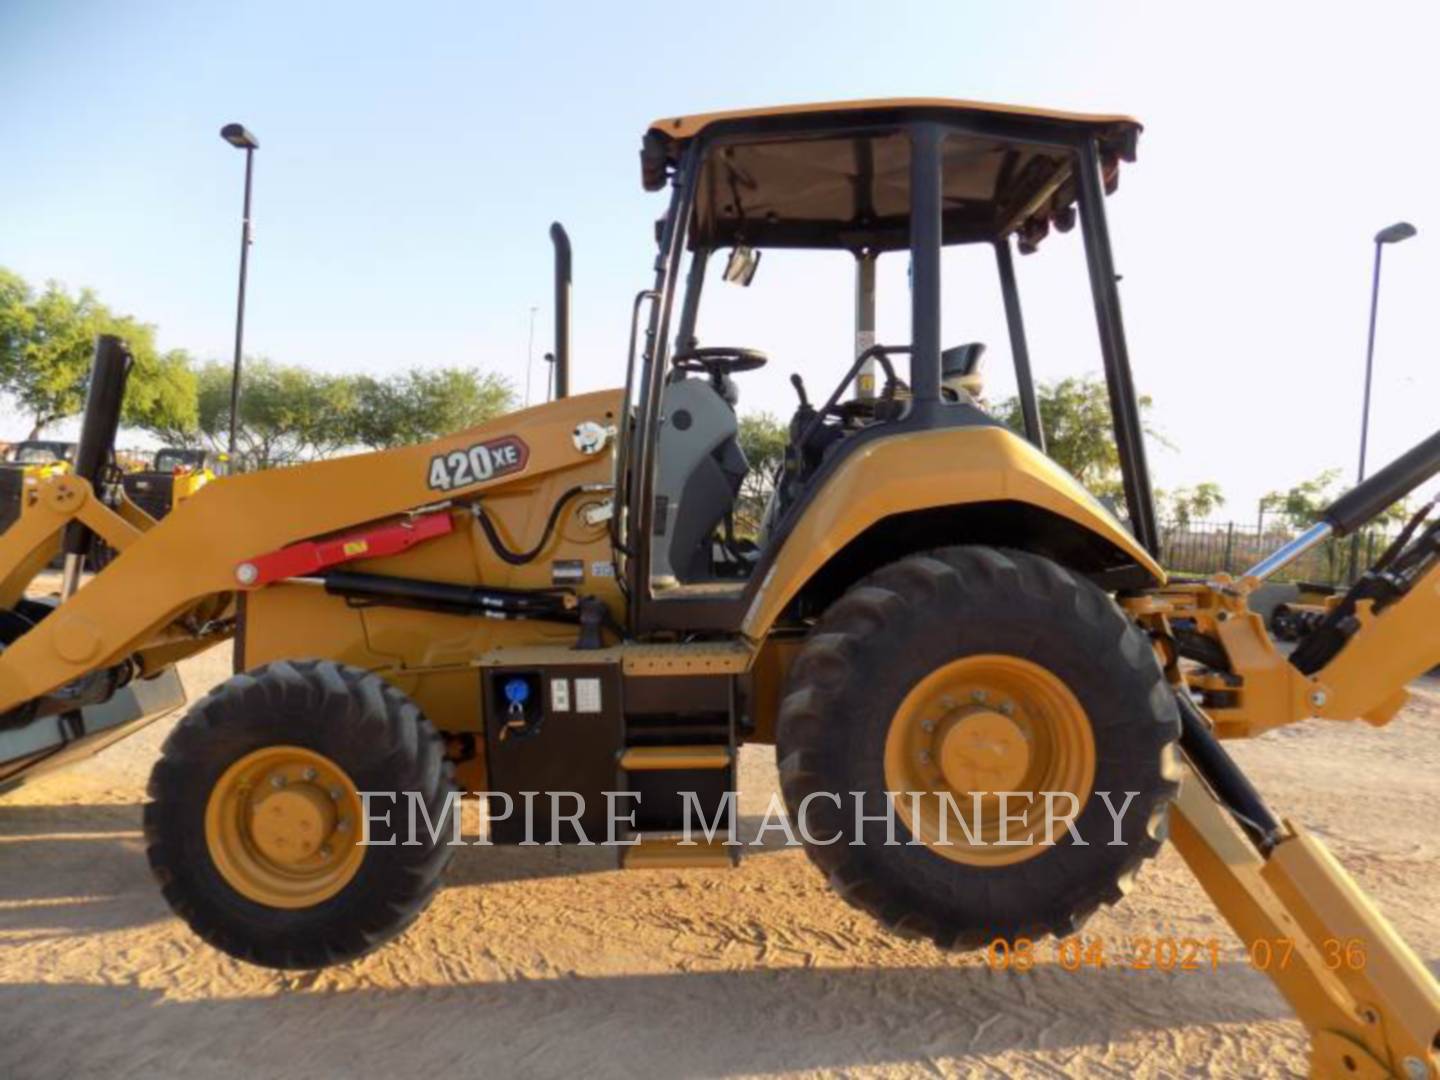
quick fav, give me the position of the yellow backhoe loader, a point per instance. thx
(932, 617)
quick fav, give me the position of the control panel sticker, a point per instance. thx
(567, 571)
(559, 695)
(587, 696)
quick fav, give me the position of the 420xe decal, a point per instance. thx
(481, 462)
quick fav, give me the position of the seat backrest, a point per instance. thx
(693, 491)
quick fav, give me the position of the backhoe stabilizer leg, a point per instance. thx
(1370, 1005)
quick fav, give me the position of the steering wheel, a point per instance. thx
(719, 360)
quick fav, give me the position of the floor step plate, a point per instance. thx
(669, 853)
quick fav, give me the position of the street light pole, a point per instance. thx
(1394, 234)
(238, 137)
(529, 355)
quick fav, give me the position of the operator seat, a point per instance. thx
(701, 467)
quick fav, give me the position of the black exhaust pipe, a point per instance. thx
(561, 240)
(108, 373)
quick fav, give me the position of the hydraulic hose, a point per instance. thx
(520, 558)
(1218, 769)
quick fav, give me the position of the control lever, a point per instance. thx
(799, 385)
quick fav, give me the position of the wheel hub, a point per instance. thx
(292, 823)
(979, 726)
(983, 751)
(282, 826)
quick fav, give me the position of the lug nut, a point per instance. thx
(978, 696)
(927, 726)
(325, 851)
(310, 774)
(924, 757)
(335, 794)
(277, 781)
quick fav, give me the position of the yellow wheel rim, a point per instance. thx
(986, 724)
(282, 826)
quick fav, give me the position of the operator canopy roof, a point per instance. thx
(837, 175)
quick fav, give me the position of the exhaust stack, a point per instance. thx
(561, 240)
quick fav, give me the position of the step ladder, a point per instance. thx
(664, 755)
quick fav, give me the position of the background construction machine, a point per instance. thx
(555, 602)
(24, 465)
(176, 473)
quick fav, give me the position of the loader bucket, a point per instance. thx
(32, 748)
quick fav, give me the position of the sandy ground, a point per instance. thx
(547, 962)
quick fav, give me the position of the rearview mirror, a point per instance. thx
(741, 266)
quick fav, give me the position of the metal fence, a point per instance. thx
(1208, 547)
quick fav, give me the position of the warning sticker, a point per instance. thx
(559, 695)
(587, 696)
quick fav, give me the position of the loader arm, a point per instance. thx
(193, 555)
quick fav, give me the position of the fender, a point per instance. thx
(922, 471)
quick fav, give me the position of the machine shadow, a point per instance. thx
(818, 1019)
(31, 820)
(72, 869)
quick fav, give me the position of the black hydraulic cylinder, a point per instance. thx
(1389, 485)
(1218, 769)
(561, 239)
(108, 373)
(453, 599)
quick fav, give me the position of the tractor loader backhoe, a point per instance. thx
(930, 614)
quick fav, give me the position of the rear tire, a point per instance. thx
(1042, 631)
(361, 731)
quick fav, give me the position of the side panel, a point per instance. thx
(919, 471)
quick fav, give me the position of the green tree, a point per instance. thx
(1185, 505)
(423, 404)
(161, 394)
(1075, 413)
(1303, 503)
(763, 438)
(287, 413)
(17, 322)
(47, 342)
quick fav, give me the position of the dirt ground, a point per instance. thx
(548, 962)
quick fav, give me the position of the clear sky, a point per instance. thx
(413, 156)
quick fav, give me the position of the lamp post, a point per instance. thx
(238, 137)
(1393, 234)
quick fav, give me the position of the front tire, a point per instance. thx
(969, 671)
(254, 814)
